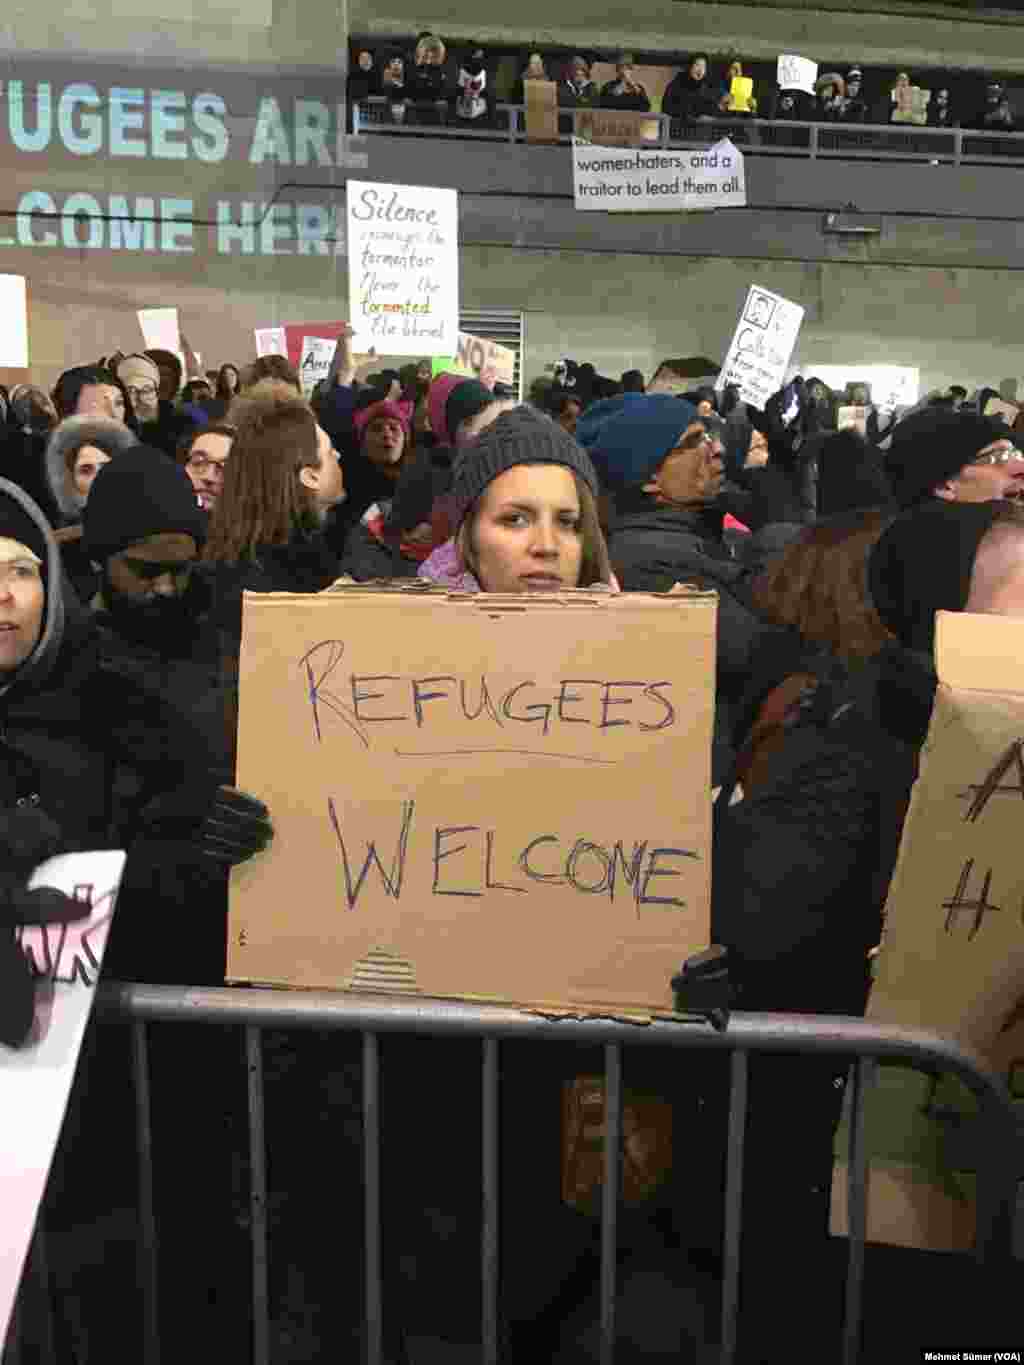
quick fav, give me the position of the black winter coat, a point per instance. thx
(802, 864)
(171, 924)
(366, 557)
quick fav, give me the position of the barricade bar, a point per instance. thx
(258, 1198)
(824, 1035)
(371, 1179)
(733, 1203)
(610, 1195)
(148, 1246)
(489, 1233)
(857, 1204)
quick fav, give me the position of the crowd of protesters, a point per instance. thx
(429, 81)
(136, 506)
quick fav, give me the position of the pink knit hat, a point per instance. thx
(437, 400)
(399, 412)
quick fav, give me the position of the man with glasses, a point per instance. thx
(663, 472)
(204, 455)
(956, 456)
(160, 424)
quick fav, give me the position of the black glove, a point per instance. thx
(27, 838)
(236, 827)
(227, 828)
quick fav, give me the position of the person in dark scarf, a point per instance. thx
(70, 729)
(689, 95)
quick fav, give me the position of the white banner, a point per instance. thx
(634, 180)
(13, 322)
(317, 354)
(271, 341)
(761, 346)
(796, 73)
(160, 330)
(403, 268)
(35, 1080)
(891, 386)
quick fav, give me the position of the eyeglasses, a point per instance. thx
(203, 464)
(999, 457)
(143, 391)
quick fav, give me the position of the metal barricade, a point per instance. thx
(375, 1015)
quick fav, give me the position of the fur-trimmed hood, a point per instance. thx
(66, 440)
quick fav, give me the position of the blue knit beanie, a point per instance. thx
(631, 446)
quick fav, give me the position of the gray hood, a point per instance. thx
(105, 433)
(40, 662)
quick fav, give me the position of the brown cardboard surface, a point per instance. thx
(615, 127)
(507, 827)
(952, 956)
(541, 111)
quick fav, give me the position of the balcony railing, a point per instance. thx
(758, 137)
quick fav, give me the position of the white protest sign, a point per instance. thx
(852, 418)
(892, 386)
(403, 268)
(160, 330)
(796, 73)
(761, 346)
(635, 180)
(35, 1080)
(317, 354)
(13, 322)
(271, 341)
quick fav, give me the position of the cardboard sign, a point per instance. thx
(796, 73)
(13, 323)
(317, 354)
(491, 797)
(270, 341)
(403, 268)
(35, 1081)
(741, 94)
(890, 386)
(615, 127)
(613, 180)
(541, 99)
(761, 346)
(952, 955)
(998, 407)
(852, 418)
(160, 329)
(486, 360)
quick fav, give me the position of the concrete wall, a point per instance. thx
(617, 311)
(923, 34)
(630, 312)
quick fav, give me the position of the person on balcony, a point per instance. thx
(689, 95)
(940, 111)
(534, 70)
(473, 101)
(737, 96)
(576, 90)
(853, 107)
(625, 92)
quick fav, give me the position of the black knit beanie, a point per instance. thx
(140, 494)
(466, 400)
(923, 564)
(934, 445)
(519, 436)
(16, 524)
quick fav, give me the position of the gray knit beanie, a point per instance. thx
(519, 436)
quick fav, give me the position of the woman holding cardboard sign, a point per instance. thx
(524, 512)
